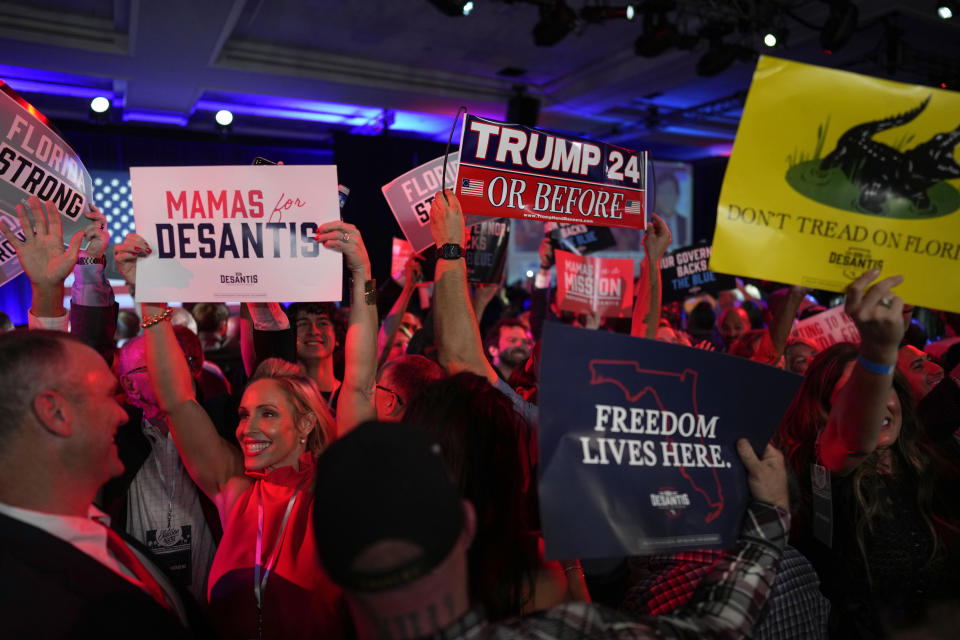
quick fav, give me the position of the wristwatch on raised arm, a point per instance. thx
(450, 251)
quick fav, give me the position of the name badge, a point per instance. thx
(822, 504)
(170, 547)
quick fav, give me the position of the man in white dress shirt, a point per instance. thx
(65, 573)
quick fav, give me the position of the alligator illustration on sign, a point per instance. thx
(882, 171)
(864, 175)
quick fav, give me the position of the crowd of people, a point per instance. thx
(369, 469)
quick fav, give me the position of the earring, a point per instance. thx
(303, 441)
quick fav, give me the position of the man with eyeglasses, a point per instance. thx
(154, 500)
(400, 380)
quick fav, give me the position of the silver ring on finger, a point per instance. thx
(346, 237)
(885, 302)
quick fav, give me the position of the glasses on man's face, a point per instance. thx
(396, 396)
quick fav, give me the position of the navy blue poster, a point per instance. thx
(638, 442)
(685, 273)
(579, 238)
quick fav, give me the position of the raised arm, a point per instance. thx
(44, 260)
(391, 323)
(93, 309)
(539, 296)
(783, 318)
(209, 459)
(356, 402)
(857, 413)
(267, 335)
(646, 310)
(730, 598)
(458, 339)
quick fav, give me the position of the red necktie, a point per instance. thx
(127, 558)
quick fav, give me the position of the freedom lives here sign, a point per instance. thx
(236, 233)
(638, 442)
(510, 171)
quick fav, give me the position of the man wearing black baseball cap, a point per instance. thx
(393, 532)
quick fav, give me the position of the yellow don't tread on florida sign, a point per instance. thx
(834, 173)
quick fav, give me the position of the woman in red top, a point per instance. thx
(266, 580)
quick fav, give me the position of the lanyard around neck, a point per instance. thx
(260, 583)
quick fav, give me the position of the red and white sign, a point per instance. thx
(402, 252)
(510, 171)
(410, 197)
(241, 233)
(586, 284)
(828, 328)
(35, 161)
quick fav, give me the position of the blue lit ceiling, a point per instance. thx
(304, 68)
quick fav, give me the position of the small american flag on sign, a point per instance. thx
(633, 206)
(470, 187)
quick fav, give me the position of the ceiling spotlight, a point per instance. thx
(224, 118)
(840, 25)
(99, 104)
(453, 8)
(556, 21)
(775, 37)
(944, 10)
(631, 12)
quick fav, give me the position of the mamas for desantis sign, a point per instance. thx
(510, 171)
(241, 233)
(35, 161)
(638, 442)
(586, 284)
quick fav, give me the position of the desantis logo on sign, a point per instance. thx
(510, 171)
(670, 500)
(871, 177)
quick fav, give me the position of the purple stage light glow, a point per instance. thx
(326, 112)
(158, 117)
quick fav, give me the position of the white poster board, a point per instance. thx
(239, 233)
(410, 197)
(828, 328)
(35, 161)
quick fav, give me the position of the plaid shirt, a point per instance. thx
(795, 609)
(726, 604)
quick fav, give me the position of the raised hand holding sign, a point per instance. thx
(41, 251)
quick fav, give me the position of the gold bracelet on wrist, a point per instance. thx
(149, 321)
